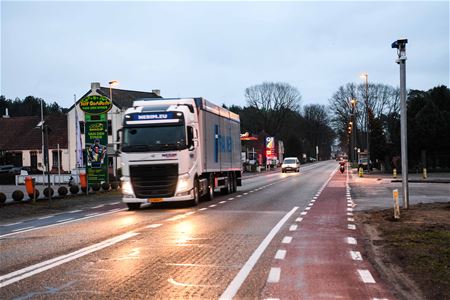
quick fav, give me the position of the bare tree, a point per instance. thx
(273, 101)
(382, 100)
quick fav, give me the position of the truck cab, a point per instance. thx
(164, 151)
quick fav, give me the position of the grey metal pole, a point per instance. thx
(48, 167)
(400, 45)
(403, 132)
(367, 123)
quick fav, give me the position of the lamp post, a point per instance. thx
(111, 84)
(354, 137)
(400, 45)
(365, 76)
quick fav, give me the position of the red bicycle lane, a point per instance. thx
(320, 258)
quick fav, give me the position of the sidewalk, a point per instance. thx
(374, 190)
(442, 177)
(323, 256)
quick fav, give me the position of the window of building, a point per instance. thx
(109, 127)
(55, 158)
(81, 127)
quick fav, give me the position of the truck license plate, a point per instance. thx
(152, 200)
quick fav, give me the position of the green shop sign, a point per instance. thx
(94, 105)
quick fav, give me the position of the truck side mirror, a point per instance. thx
(119, 131)
(190, 138)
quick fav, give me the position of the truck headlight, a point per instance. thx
(127, 188)
(184, 183)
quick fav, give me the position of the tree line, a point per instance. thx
(377, 111)
(29, 106)
(273, 109)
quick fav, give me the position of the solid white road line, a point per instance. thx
(366, 276)
(274, 275)
(351, 240)
(356, 255)
(236, 283)
(281, 254)
(18, 275)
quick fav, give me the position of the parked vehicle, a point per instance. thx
(178, 149)
(290, 164)
(6, 168)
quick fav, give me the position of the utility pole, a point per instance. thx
(366, 77)
(400, 45)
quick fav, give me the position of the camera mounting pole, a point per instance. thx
(400, 45)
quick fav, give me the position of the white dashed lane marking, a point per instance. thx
(20, 229)
(351, 226)
(274, 275)
(64, 220)
(351, 219)
(281, 254)
(221, 202)
(351, 240)
(298, 219)
(153, 225)
(303, 213)
(287, 240)
(366, 276)
(293, 228)
(74, 211)
(356, 255)
(204, 208)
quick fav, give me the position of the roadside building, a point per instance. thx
(121, 100)
(21, 142)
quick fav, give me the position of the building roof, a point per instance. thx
(20, 133)
(123, 99)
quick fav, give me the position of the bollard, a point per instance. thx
(424, 173)
(83, 180)
(360, 172)
(396, 206)
(394, 173)
(30, 187)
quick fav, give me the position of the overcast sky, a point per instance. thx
(54, 50)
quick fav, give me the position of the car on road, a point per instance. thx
(6, 168)
(290, 164)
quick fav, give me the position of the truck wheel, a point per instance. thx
(234, 184)
(226, 190)
(196, 199)
(210, 193)
(133, 206)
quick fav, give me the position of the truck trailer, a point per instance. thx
(178, 149)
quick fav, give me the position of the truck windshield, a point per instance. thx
(156, 138)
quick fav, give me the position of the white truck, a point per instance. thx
(178, 149)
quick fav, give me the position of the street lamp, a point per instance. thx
(111, 84)
(365, 76)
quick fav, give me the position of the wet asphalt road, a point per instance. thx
(156, 252)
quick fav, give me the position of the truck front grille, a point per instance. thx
(154, 180)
